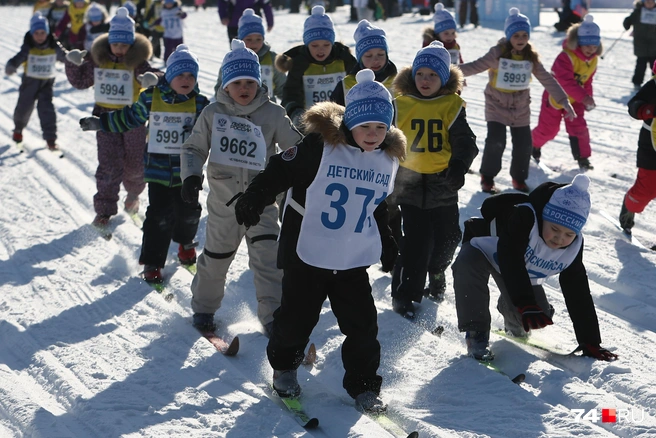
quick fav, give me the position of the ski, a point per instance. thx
(138, 221)
(295, 407)
(546, 169)
(625, 233)
(103, 231)
(191, 268)
(532, 343)
(220, 344)
(519, 378)
(161, 288)
(390, 425)
(57, 152)
(19, 145)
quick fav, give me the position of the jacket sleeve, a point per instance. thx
(20, 57)
(145, 67)
(581, 309)
(196, 148)
(463, 141)
(293, 96)
(279, 80)
(286, 133)
(337, 95)
(80, 76)
(490, 60)
(563, 70)
(128, 117)
(549, 83)
(645, 96)
(223, 9)
(628, 21)
(513, 241)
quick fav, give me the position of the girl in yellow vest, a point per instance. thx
(511, 64)
(440, 149)
(574, 69)
(73, 22)
(315, 67)
(118, 60)
(39, 52)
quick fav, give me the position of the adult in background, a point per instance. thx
(231, 10)
(472, 7)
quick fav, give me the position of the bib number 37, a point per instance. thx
(340, 212)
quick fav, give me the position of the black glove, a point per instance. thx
(389, 254)
(455, 175)
(90, 123)
(597, 352)
(190, 188)
(533, 317)
(249, 207)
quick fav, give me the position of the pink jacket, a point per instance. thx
(563, 71)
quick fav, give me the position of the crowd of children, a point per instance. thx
(351, 177)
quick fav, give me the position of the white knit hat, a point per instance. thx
(240, 63)
(249, 23)
(442, 19)
(569, 205)
(589, 33)
(367, 37)
(318, 26)
(121, 28)
(368, 101)
(435, 57)
(516, 22)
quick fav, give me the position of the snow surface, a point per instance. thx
(89, 350)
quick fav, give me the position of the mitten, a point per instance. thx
(148, 79)
(76, 56)
(190, 188)
(533, 317)
(10, 69)
(570, 114)
(389, 254)
(455, 175)
(597, 352)
(249, 207)
(90, 123)
(589, 103)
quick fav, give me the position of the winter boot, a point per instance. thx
(369, 402)
(52, 145)
(285, 383)
(131, 205)
(17, 137)
(404, 307)
(584, 164)
(153, 274)
(436, 287)
(101, 221)
(187, 256)
(487, 185)
(520, 186)
(204, 322)
(537, 154)
(627, 218)
(477, 345)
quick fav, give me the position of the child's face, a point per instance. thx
(169, 5)
(369, 135)
(183, 83)
(320, 49)
(589, 51)
(254, 41)
(519, 40)
(95, 23)
(374, 59)
(119, 49)
(80, 5)
(428, 82)
(447, 36)
(242, 91)
(557, 236)
(39, 36)
(649, 4)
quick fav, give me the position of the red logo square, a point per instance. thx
(608, 416)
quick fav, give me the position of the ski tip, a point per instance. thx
(233, 348)
(413, 435)
(311, 355)
(519, 378)
(312, 423)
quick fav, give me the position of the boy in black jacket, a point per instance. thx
(522, 240)
(334, 228)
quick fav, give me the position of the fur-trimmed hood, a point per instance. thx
(325, 118)
(140, 51)
(572, 40)
(404, 83)
(285, 62)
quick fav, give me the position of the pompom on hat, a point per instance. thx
(181, 61)
(589, 33)
(569, 205)
(39, 22)
(368, 101)
(367, 37)
(318, 26)
(240, 63)
(121, 27)
(249, 23)
(435, 57)
(442, 19)
(516, 22)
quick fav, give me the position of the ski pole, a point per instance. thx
(613, 45)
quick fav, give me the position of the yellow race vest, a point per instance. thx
(166, 124)
(136, 86)
(426, 123)
(77, 17)
(319, 81)
(582, 72)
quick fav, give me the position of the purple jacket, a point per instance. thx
(233, 9)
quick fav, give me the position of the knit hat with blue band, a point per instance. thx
(435, 57)
(318, 26)
(569, 205)
(589, 32)
(368, 101)
(240, 63)
(181, 61)
(121, 28)
(442, 19)
(95, 13)
(39, 22)
(249, 23)
(516, 22)
(367, 37)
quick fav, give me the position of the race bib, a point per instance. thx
(455, 56)
(237, 142)
(318, 88)
(113, 86)
(41, 66)
(648, 16)
(266, 75)
(172, 23)
(166, 132)
(514, 75)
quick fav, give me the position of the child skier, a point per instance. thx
(118, 59)
(39, 52)
(315, 67)
(96, 23)
(170, 108)
(238, 133)
(172, 16)
(643, 20)
(507, 100)
(230, 12)
(429, 111)
(444, 31)
(574, 69)
(72, 23)
(361, 138)
(520, 241)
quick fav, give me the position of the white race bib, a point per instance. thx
(113, 86)
(266, 74)
(237, 142)
(514, 75)
(648, 16)
(172, 23)
(41, 66)
(165, 131)
(318, 88)
(455, 56)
